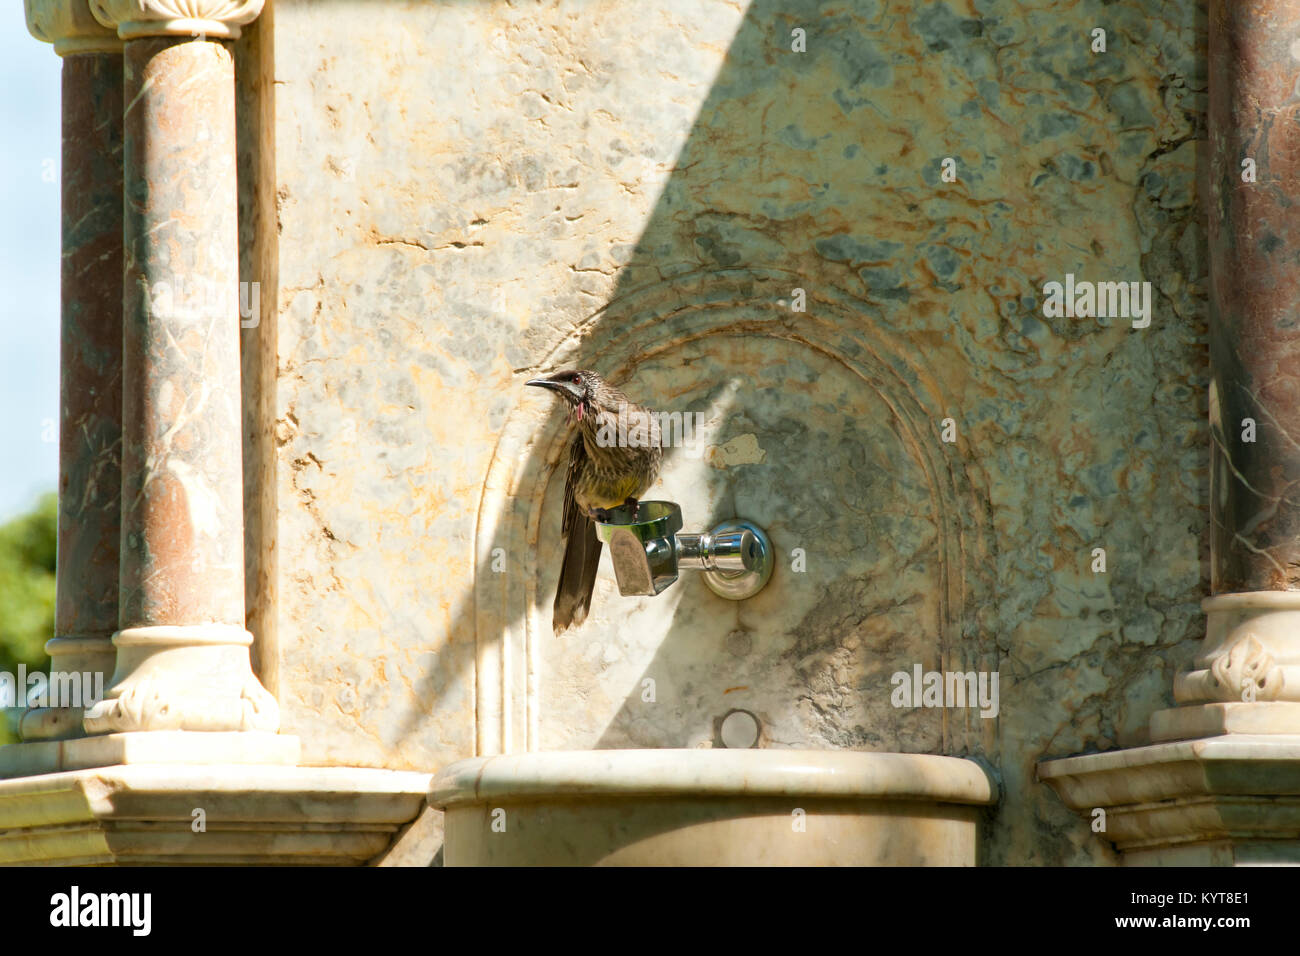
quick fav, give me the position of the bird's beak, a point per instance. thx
(573, 392)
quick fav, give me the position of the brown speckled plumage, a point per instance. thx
(614, 457)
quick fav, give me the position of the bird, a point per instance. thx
(614, 458)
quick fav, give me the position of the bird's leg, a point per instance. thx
(600, 514)
(630, 502)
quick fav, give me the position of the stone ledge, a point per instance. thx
(148, 747)
(1223, 800)
(855, 775)
(143, 814)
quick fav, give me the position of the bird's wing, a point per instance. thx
(577, 461)
(581, 551)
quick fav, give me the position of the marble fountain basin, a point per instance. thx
(712, 808)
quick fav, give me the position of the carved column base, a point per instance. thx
(1245, 678)
(1220, 783)
(193, 677)
(82, 665)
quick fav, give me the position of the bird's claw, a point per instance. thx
(606, 515)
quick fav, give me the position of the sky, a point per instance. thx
(29, 264)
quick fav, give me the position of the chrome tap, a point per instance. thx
(736, 556)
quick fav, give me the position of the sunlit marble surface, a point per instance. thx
(470, 193)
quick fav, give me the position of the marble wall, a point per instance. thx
(468, 194)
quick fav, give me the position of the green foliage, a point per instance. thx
(27, 549)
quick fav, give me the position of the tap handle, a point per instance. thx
(727, 551)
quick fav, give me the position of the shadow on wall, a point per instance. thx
(814, 178)
(763, 300)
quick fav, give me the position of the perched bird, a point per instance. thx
(613, 458)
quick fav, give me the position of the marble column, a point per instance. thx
(90, 400)
(1217, 783)
(1246, 674)
(183, 651)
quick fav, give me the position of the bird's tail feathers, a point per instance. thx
(577, 576)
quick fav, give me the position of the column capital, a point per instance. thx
(70, 26)
(213, 19)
